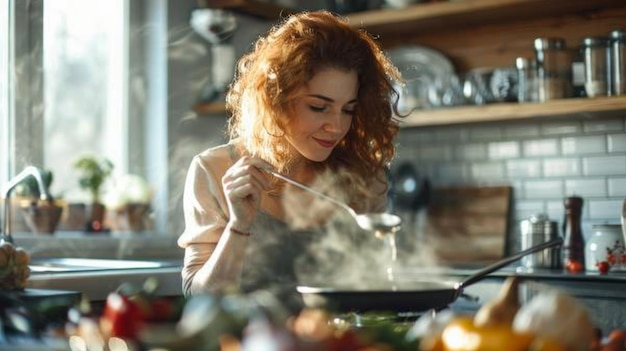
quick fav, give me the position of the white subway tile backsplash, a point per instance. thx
(543, 161)
(603, 125)
(487, 170)
(521, 131)
(586, 187)
(560, 127)
(416, 136)
(556, 211)
(543, 189)
(546, 147)
(609, 210)
(526, 208)
(504, 149)
(604, 165)
(561, 167)
(584, 145)
(452, 135)
(441, 152)
(452, 172)
(471, 152)
(485, 133)
(523, 168)
(616, 142)
(617, 186)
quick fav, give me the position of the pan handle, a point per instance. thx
(505, 261)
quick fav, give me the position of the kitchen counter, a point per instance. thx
(542, 274)
(96, 285)
(604, 295)
(143, 245)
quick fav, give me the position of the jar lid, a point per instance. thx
(521, 63)
(539, 217)
(549, 43)
(595, 41)
(618, 34)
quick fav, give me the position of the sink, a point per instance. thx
(92, 264)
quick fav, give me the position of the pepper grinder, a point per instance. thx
(574, 243)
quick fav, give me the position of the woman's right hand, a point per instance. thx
(243, 184)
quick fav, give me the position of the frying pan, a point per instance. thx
(409, 296)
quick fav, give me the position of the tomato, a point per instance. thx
(121, 316)
(603, 267)
(347, 340)
(574, 266)
(161, 310)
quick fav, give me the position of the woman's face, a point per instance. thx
(324, 110)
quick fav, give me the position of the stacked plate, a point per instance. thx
(423, 69)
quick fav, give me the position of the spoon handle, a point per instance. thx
(311, 190)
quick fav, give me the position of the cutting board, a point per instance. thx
(468, 225)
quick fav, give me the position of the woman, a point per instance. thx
(313, 97)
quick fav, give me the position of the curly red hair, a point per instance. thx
(268, 77)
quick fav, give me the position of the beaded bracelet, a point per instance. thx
(239, 232)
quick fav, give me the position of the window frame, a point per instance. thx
(145, 139)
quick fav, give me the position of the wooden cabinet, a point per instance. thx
(481, 33)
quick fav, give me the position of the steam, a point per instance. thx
(343, 254)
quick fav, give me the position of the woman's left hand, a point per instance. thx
(243, 184)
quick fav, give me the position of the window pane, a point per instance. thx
(4, 89)
(84, 87)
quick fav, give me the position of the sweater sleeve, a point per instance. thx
(205, 213)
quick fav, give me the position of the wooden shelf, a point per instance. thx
(250, 7)
(514, 111)
(210, 108)
(453, 15)
(438, 25)
(488, 113)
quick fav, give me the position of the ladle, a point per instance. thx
(380, 223)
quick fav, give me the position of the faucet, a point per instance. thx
(29, 171)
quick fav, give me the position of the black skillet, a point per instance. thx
(409, 296)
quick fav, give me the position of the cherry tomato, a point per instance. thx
(574, 266)
(603, 267)
(611, 258)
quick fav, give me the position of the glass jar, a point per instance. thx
(554, 69)
(526, 79)
(606, 243)
(596, 58)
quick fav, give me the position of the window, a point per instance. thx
(65, 69)
(84, 65)
(4, 90)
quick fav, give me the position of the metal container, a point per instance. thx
(618, 62)
(536, 230)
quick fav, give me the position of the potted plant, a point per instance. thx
(94, 172)
(39, 216)
(127, 201)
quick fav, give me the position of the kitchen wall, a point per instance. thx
(189, 65)
(544, 159)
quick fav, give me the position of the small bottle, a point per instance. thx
(574, 242)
